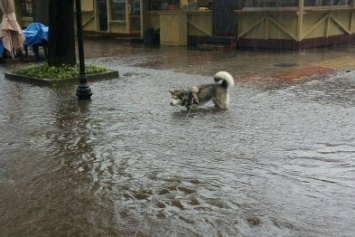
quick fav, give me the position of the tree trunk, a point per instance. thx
(61, 38)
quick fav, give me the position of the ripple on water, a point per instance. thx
(278, 163)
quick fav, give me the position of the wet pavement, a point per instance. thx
(279, 162)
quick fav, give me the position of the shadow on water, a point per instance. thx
(200, 112)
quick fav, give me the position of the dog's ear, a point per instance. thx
(171, 92)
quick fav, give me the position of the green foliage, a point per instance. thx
(63, 72)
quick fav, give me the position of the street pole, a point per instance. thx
(83, 91)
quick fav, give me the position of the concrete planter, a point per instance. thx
(109, 74)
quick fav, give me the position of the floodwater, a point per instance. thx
(279, 162)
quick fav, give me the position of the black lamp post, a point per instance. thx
(83, 91)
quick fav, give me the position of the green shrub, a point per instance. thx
(65, 71)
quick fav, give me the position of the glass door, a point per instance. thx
(101, 14)
(134, 15)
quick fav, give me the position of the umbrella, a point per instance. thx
(11, 32)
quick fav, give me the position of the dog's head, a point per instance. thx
(179, 97)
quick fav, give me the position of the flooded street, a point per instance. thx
(279, 162)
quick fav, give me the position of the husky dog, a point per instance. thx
(199, 95)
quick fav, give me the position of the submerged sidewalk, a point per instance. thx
(319, 68)
(243, 64)
(306, 71)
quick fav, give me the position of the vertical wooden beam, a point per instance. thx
(144, 5)
(351, 30)
(327, 22)
(109, 14)
(266, 32)
(300, 20)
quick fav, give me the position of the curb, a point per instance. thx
(110, 74)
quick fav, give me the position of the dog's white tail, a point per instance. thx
(226, 77)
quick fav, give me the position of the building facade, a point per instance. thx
(246, 23)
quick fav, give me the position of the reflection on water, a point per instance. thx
(280, 162)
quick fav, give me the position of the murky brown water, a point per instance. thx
(280, 162)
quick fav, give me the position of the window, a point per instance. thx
(26, 8)
(158, 5)
(163, 4)
(118, 10)
(204, 3)
(270, 3)
(294, 3)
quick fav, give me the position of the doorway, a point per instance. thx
(101, 6)
(134, 12)
(224, 18)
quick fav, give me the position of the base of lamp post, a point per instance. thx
(83, 91)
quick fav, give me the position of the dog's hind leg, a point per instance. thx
(221, 103)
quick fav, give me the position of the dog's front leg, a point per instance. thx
(188, 107)
(195, 99)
